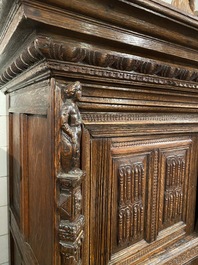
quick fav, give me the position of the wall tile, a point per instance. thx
(3, 183)
(3, 110)
(3, 191)
(3, 249)
(3, 161)
(3, 134)
(3, 221)
(196, 4)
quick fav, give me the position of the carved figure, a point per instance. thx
(71, 129)
(186, 5)
(70, 177)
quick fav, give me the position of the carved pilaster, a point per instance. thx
(70, 177)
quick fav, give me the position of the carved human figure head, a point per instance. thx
(185, 5)
(73, 91)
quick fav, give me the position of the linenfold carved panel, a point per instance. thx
(142, 172)
(70, 177)
(175, 172)
(131, 210)
(130, 207)
(174, 184)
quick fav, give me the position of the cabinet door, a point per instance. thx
(141, 198)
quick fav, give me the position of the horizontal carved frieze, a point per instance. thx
(46, 48)
(99, 72)
(137, 118)
(126, 144)
(186, 256)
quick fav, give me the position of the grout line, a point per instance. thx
(4, 235)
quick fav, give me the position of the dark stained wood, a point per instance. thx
(31, 100)
(15, 166)
(194, 262)
(100, 211)
(16, 257)
(24, 249)
(40, 204)
(103, 131)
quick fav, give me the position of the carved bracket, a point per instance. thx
(70, 177)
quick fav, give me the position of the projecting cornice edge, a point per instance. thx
(46, 48)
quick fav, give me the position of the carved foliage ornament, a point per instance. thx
(70, 177)
(43, 47)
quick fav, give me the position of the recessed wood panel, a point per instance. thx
(174, 185)
(15, 165)
(100, 210)
(139, 197)
(16, 256)
(129, 209)
(40, 190)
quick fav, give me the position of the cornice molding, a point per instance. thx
(46, 48)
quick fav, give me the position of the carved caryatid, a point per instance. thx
(185, 5)
(70, 177)
(71, 128)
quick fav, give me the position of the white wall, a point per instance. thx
(196, 5)
(167, 1)
(3, 184)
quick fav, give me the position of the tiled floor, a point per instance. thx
(3, 184)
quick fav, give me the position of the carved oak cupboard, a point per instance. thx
(103, 131)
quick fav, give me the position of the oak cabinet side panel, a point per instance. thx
(40, 190)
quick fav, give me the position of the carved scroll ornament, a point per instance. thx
(70, 178)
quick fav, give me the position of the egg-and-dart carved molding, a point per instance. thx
(43, 47)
